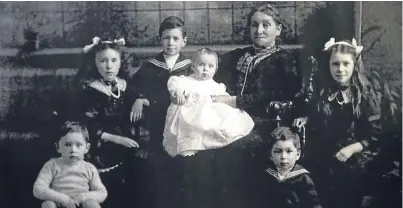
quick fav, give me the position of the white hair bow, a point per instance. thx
(353, 44)
(97, 40)
(120, 42)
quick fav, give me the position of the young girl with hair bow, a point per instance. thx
(106, 102)
(343, 126)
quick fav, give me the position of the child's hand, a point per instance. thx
(300, 122)
(70, 203)
(346, 152)
(137, 109)
(127, 142)
(78, 199)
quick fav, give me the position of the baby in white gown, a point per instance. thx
(196, 122)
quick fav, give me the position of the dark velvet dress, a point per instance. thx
(258, 79)
(106, 113)
(342, 183)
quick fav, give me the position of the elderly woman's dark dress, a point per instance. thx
(256, 78)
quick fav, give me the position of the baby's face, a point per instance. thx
(73, 147)
(284, 154)
(205, 66)
(108, 63)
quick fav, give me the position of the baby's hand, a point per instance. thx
(346, 152)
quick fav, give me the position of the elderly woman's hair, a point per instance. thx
(268, 9)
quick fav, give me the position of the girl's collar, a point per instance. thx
(100, 86)
(342, 94)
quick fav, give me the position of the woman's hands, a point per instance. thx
(346, 152)
(137, 109)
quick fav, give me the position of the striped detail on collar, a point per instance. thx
(291, 174)
(165, 66)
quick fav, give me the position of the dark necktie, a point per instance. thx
(114, 86)
(339, 97)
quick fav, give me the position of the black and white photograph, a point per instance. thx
(201, 104)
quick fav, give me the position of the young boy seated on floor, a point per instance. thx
(69, 181)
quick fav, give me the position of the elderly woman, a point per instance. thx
(263, 72)
(255, 76)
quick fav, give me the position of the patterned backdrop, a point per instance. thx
(70, 24)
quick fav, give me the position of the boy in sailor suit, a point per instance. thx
(151, 82)
(286, 184)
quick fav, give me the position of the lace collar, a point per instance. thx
(100, 86)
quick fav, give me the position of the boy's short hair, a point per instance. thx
(172, 22)
(284, 133)
(73, 126)
(207, 51)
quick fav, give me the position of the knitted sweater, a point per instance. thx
(57, 180)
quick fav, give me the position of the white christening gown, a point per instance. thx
(200, 123)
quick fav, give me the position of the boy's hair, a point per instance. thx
(172, 22)
(284, 134)
(73, 126)
(207, 51)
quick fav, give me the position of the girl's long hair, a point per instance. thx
(361, 88)
(88, 70)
